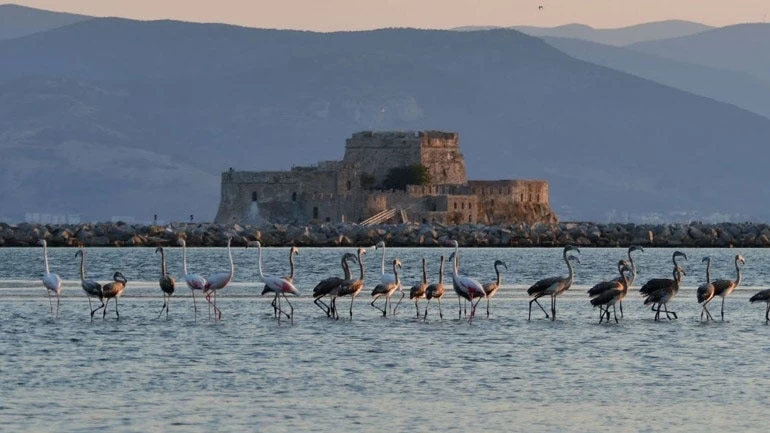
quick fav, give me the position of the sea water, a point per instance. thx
(250, 372)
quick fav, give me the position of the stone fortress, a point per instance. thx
(347, 191)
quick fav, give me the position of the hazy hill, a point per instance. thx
(18, 20)
(740, 47)
(619, 36)
(735, 87)
(182, 102)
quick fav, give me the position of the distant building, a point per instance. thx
(341, 191)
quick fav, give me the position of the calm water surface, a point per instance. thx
(503, 373)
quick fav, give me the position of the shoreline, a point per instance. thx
(581, 234)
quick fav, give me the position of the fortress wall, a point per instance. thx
(440, 153)
(506, 201)
(376, 153)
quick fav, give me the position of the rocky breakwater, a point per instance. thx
(324, 235)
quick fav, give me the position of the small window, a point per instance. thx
(349, 185)
(530, 196)
(315, 212)
(254, 196)
(469, 205)
(492, 202)
(328, 219)
(294, 196)
(434, 207)
(455, 205)
(462, 205)
(522, 197)
(538, 198)
(469, 219)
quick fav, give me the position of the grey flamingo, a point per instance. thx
(634, 272)
(612, 294)
(436, 291)
(167, 282)
(611, 285)
(387, 290)
(553, 286)
(661, 290)
(705, 291)
(326, 286)
(490, 289)
(51, 281)
(351, 287)
(92, 288)
(219, 281)
(277, 285)
(417, 291)
(656, 283)
(725, 287)
(114, 290)
(763, 296)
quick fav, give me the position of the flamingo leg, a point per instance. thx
(723, 308)
(117, 315)
(195, 307)
(553, 307)
(58, 300)
(97, 309)
(291, 307)
(487, 307)
(538, 304)
(395, 309)
(168, 303)
(375, 306)
(425, 316)
(440, 314)
(352, 298)
(459, 308)
(665, 307)
(276, 308)
(417, 308)
(621, 308)
(163, 307)
(614, 313)
(657, 314)
(767, 314)
(50, 302)
(104, 311)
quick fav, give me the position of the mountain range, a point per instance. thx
(110, 117)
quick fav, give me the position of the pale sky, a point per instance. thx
(330, 15)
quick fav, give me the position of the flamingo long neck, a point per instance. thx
(633, 268)
(457, 257)
(184, 257)
(163, 262)
(382, 265)
(45, 256)
(395, 272)
(708, 271)
(424, 272)
(677, 276)
(738, 271)
(441, 271)
(259, 260)
(571, 277)
(497, 270)
(360, 266)
(345, 267)
(624, 278)
(82, 265)
(291, 264)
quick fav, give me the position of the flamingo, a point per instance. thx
(631, 279)
(662, 283)
(436, 290)
(706, 291)
(466, 288)
(114, 290)
(554, 286)
(725, 287)
(611, 285)
(277, 285)
(384, 278)
(193, 281)
(167, 282)
(656, 283)
(614, 293)
(351, 287)
(91, 287)
(491, 288)
(326, 286)
(387, 290)
(219, 281)
(417, 291)
(661, 290)
(51, 281)
(292, 252)
(763, 296)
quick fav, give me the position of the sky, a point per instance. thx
(333, 15)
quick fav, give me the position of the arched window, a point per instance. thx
(349, 185)
(522, 197)
(294, 196)
(492, 202)
(530, 196)
(469, 205)
(433, 207)
(469, 219)
(462, 205)
(455, 205)
(254, 196)
(315, 212)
